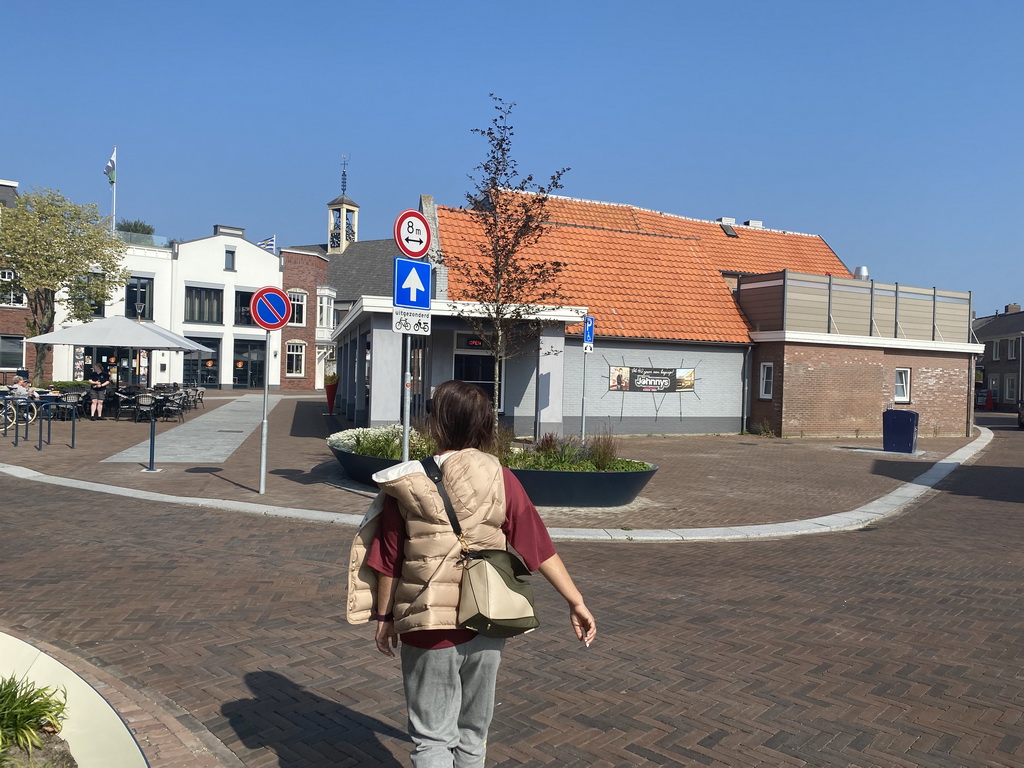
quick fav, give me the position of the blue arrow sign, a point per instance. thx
(588, 330)
(412, 284)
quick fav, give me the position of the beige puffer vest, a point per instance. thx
(428, 591)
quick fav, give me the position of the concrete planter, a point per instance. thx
(547, 488)
(361, 468)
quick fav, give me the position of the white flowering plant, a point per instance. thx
(382, 442)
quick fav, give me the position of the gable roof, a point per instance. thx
(650, 275)
(364, 268)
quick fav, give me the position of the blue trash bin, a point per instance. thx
(899, 431)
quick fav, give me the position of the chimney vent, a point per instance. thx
(861, 273)
(1010, 308)
(754, 224)
(223, 229)
(729, 220)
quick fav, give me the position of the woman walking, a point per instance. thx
(405, 574)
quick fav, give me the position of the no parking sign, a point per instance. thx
(270, 308)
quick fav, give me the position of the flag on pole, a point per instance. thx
(111, 169)
(270, 244)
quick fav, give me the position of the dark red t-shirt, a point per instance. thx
(523, 529)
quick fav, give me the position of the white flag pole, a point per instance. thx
(113, 195)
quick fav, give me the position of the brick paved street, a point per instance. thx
(897, 646)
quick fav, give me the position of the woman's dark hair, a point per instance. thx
(461, 417)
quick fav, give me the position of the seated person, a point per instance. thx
(22, 387)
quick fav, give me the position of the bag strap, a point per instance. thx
(434, 473)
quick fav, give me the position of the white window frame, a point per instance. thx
(1010, 388)
(7, 296)
(1011, 348)
(297, 349)
(324, 311)
(995, 349)
(298, 297)
(904, 385)
(766, 381)
(993, 385)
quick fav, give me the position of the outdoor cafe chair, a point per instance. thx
(69, 405)
(145, 406)
(199, 397)
(173, 406)
(126, 405)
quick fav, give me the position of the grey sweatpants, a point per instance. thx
(450, 696)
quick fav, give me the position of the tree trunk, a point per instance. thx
(39, 369)
(498, 353)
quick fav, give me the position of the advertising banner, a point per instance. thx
(623, 378)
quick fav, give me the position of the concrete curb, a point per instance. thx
(863, 516)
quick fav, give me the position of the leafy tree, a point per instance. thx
(503, 278)
(137, 226)
(62, 254)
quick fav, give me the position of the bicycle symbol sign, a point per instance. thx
(412, 321)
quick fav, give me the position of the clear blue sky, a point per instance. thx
(892, 128)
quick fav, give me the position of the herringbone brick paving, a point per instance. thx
(897, 646)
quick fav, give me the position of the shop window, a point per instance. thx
(474, 364)
(902, 390)
(767, 381)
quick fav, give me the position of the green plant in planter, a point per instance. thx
(559, 454)
(27, 710)
(330, 378)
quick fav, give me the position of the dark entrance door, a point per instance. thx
(249, 364)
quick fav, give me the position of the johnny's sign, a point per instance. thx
(631, 378)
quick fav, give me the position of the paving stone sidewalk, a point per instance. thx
(704, 481)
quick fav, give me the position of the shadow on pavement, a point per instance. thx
(310, 419)
(304, 729)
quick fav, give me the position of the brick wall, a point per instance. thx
(842, 391)
(302, 272)
(766, 415)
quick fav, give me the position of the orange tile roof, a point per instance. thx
(650, 275)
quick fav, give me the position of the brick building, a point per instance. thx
(308, 352)
(998, 377)
(701, 326)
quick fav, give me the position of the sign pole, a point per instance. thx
(583, 405)
(266, 399)
(407, 397)
(271, 310)
(588, 347)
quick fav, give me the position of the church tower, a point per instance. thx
(342, 217)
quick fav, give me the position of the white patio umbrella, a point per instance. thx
(120, 331)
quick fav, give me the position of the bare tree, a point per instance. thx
(503, 278)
